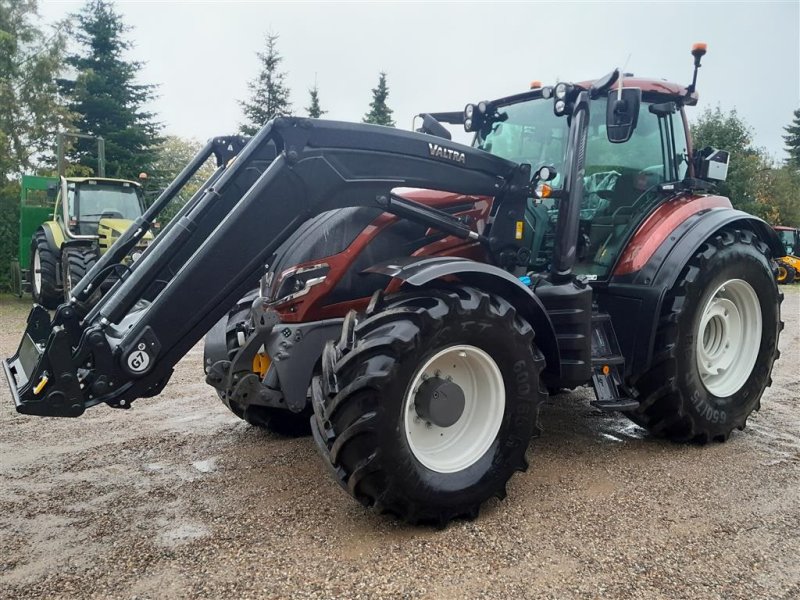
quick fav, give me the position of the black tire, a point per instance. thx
(75, 263)
(278, 420)
(791, 275)
(675, 403)
(49, 295)
(359, 432)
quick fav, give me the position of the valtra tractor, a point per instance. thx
(578, 241)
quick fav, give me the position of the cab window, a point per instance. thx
(621, 181)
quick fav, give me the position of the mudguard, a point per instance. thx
(54, 235)
(418, 272)
(635, 300)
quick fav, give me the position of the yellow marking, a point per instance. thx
(40, 386)
(519, 230)
(261, 364)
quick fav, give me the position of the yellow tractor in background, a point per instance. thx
(789, 265)
(67, 223)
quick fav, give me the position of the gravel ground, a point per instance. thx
(178, 498)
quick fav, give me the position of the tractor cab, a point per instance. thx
(621, 180)
(97, 206)
(790, 239)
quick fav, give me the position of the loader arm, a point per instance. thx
(127, 346)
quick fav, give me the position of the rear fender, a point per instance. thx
(635, 300)
(418, 272)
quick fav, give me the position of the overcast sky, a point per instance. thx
(441, 56)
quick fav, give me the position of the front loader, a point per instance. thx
(610, 263)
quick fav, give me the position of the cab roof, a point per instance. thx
(654, 86)
(110, 180)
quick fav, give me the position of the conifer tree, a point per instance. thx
(379, 113)
(105, 96)
(269, 94)
(314, 110)
(792, 139)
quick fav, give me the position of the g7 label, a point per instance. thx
(138, 361)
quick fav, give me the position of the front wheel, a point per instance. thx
(786, 274)
(75, 263)
(716, 343)
(425, 409)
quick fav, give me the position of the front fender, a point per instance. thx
(418, 272)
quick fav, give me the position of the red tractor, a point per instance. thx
(578, 241)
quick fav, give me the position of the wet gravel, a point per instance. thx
(178, 498)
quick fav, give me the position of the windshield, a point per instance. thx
(530, 133)
(787, 239)
(94, 201)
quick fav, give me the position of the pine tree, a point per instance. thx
(314, 110)
(269, 94)
(106, 98)
(792, 140)
(379, 113)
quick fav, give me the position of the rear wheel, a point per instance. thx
(716, 343)
(43, 272)
(425, 409)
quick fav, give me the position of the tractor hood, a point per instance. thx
(108, 230)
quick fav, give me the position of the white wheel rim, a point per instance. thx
(454, 448)
(37, 271)
(728, 338)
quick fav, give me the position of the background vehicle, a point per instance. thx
(652, 290)
(788, 265)
(66, 223)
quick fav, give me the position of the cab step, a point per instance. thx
(616, 405)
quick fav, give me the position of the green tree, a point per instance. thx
(779, 189)
(792, 139)
(728, 131)
(31, 111)
(173, 154)
(379, 113)
(269, 94)
(314, 110)
(105, 96)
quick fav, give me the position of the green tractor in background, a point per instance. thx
(66, 223)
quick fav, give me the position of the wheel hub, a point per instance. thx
(453, 408)
(440, 402)
(729, 335)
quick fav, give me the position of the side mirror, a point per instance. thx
(431, 126)
(712, 164)
(622, 114)
(52, 191)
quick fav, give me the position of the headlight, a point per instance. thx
(298, 282)
(561, 91)
(469, 110)
(482, 107)
(468, 124)
(560, 107)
